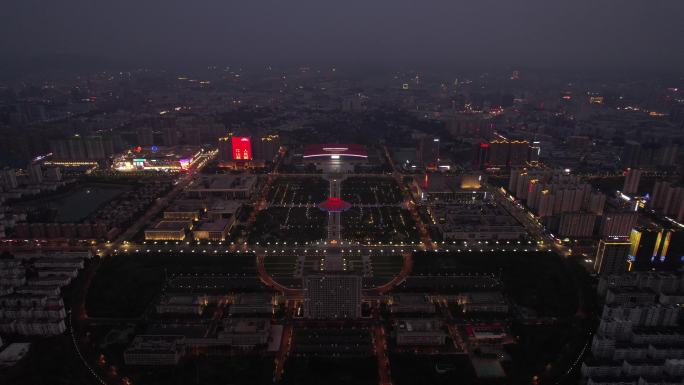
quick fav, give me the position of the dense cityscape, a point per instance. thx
(322, 223)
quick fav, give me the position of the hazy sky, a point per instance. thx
(537, 33)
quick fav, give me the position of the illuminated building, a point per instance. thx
(535, 152)
(247, 151)
(526, 184)
(334, 205)
(519, 153)
(481, 153)
(420, 331)
(412, 303)
(534, 187)
(335, 151)
(225, 149)
(571, 198)
(577, 225)
(632, 178)
(215, 230)
(518, 183)
(638, 336)
(611, 256)
(154, 158)
(184, 210)
(180, 213)
(79, 148)
(427, 151)
(595, 98)
(465, 188)
(659, 249)
(668, 199)
(482, 302)
(475, 222)
(266, 147)
(155, 350)
(498, 152)
(224, 186)
(503, 152)
(168, 231)
(241, 147)
(335, 157)
(332, 296)
(618, 224)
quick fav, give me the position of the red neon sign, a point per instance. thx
(242, 148)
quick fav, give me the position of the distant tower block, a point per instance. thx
(632, 178)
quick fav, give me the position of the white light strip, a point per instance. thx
(327, 155)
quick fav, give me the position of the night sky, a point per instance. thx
(535, 33)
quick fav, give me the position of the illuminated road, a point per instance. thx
(409, 203)
(380, 345)
(292, 293)
(406, 269)
(217, 318)
(261, 203)
(321, 247)
(283, 352)
(268, 280)
(529, 221)
(335, 217)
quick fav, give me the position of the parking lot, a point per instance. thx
(371, 190)
(286, 190)
(289, 224)
(379, 224)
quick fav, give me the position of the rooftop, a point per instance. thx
(335, 150)
(247, 325)
(215, 225)
(224, 182)
(418, 325)
(14, 352)
(171, 225)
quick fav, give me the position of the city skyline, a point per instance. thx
(532, 34)
(366, 193)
